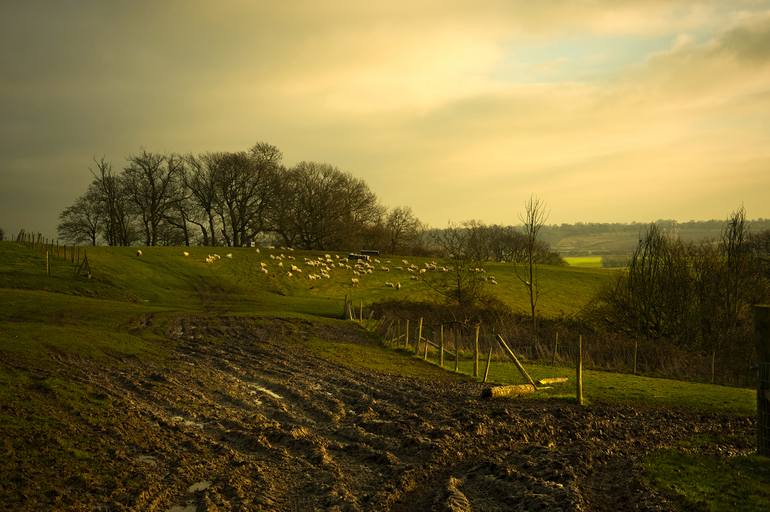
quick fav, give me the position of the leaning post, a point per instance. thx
(762, 334)
(476, 352)
(579, 370)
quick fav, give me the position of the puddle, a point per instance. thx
(199, 486)
(183, 508)
(147, 459)
(266, 391)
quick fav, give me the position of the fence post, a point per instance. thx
(457, 355)
(406, 334)
(441, 346)
(636, 351)
(419, 337)
(579, 370)
(555, 349)
(47, 264)
(762, 333)
(476, 352)
(489, 360)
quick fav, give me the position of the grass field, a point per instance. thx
(584, 261)
(124, 310)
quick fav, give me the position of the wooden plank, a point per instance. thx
(515, 359)
(476, 352)
(502, 391)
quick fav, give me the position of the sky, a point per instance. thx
(611, 111)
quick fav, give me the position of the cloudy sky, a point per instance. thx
(608, 111)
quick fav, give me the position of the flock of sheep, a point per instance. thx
(322, 267)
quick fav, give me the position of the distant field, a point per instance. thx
(584, 261)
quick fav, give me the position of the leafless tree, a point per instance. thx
(402, 229)
(151, 182)
(533, 219)
(463, 284)
(82, 221)
(322, 207)
(201, 181)
(118, 222)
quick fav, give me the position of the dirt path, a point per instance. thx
(244, 417)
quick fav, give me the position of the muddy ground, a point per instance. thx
(242, 416)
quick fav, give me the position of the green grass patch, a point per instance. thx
(373, 356)
(703, 481)
(584, 261)
(601, 386)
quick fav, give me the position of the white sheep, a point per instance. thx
(138, 252)
(229, 255)
(389, 284)
(354, 281)
(264, 270)
(186, 253)
(398, 285)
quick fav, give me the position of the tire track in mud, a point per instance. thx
(243, 417)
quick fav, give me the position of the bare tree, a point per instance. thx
(118, 223)
(402, 228)
(244, 189)
(201, 181)
(151, 184)
(82, 221)
(322, 207)
(463, 282)
(533, 219)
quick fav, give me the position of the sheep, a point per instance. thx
(414, 277)
(262, 264)
(257, 249)
(389, 284)
(280, 264)
(422, 270)
(294, 268)
(385, 269)
(399, 268)
(398, 285)
(138, 252)
(289, 274)
(264, 270)
(405, 262)
(354, 281)
(186, 253)
(229, 255)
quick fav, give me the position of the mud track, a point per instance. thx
(242, 416)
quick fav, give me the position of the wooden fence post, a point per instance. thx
(489, 360)
(636, 351)
(406, 334)
(47, 264)
(419, 337)
(457, 355)
(579, 370)
(516, 361)
(441, 346)
(476, 352)
(555, 349)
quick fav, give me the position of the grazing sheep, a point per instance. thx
(294, 268)
(422, 270)
(138, 252)
(280, 264)
(399, 268)
(389, 284)
(405, 262)
(186, 253)
(229, 255)
(262, 264)
(257, 250)
(398, 285)
(354, 281)
(264, 270)
(289, 274)
(385, 269)
(414, 277)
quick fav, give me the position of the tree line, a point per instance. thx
(697, 296)
(236, 198)
(233, 199)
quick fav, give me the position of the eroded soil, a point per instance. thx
(242, 416)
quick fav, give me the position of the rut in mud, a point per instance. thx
(242, 416)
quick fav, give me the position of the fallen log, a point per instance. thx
(551, 380)
(514, 390)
